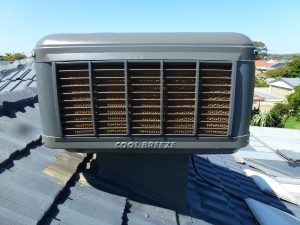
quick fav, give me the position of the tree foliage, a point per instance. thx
(294, 66)
(291, 69)
(294, 102)
(13, 57)
(266, 119)
(282, 71)
(279, 113)
(280, 109)
(263, 119)
(261, 48)
(261, 83)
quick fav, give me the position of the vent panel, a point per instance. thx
(112, 98)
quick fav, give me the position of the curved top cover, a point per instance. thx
(92, 39)
(114, 46)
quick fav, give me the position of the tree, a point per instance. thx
(263, 119)
(282, 71)
(13, 57)
(280, 109)
(261, 83)
(294, 102)
(266, 119)
(294, 66)
(280, 113)
(261, 48)
(275, 118)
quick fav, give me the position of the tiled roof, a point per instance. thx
(17, 76)
(258, 97)
(52, 186)
(263, 64)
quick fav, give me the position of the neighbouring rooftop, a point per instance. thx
(268, 64)
(52, 186)
(291, 82)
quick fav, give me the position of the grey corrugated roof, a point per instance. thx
(51, 186)
(292, 81)
(291, 156)
(267, 97)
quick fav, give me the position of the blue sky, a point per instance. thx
(23, 23)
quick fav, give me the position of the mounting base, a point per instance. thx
(160, 178)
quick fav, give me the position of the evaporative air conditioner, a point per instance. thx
(150, 92)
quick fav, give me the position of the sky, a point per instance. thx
(276, 23)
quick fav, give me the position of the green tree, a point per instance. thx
(282, 71)
(261, 48)
(294, 102)
(263, 119)
(281, 109)
(294, 66)
(260, 83)
(280, 113)
(275, 118)
(13, 57)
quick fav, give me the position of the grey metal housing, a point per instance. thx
(143, 47)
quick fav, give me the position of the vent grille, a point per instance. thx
(112, 98)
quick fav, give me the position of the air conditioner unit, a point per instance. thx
(150, 92)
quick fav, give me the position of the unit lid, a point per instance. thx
(144, 46)
(95, 39)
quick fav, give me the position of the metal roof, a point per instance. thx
(293, 82)
(278, 64)
(265, 97)
(51, 186)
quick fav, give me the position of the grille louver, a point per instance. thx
(112, 98)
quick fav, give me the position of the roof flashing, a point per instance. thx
(270, 185)
(266, 214)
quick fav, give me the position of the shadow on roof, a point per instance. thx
(206, 202)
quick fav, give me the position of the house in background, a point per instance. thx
(266, 65)
(263, 101)
(263, 66)
(282, 87)
(278, 64)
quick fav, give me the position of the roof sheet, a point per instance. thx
(279, 64)
(292, 81)
(265, 97)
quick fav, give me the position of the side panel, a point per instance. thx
(47, 100)
(243, 97)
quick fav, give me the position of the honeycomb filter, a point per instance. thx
(111, 98)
